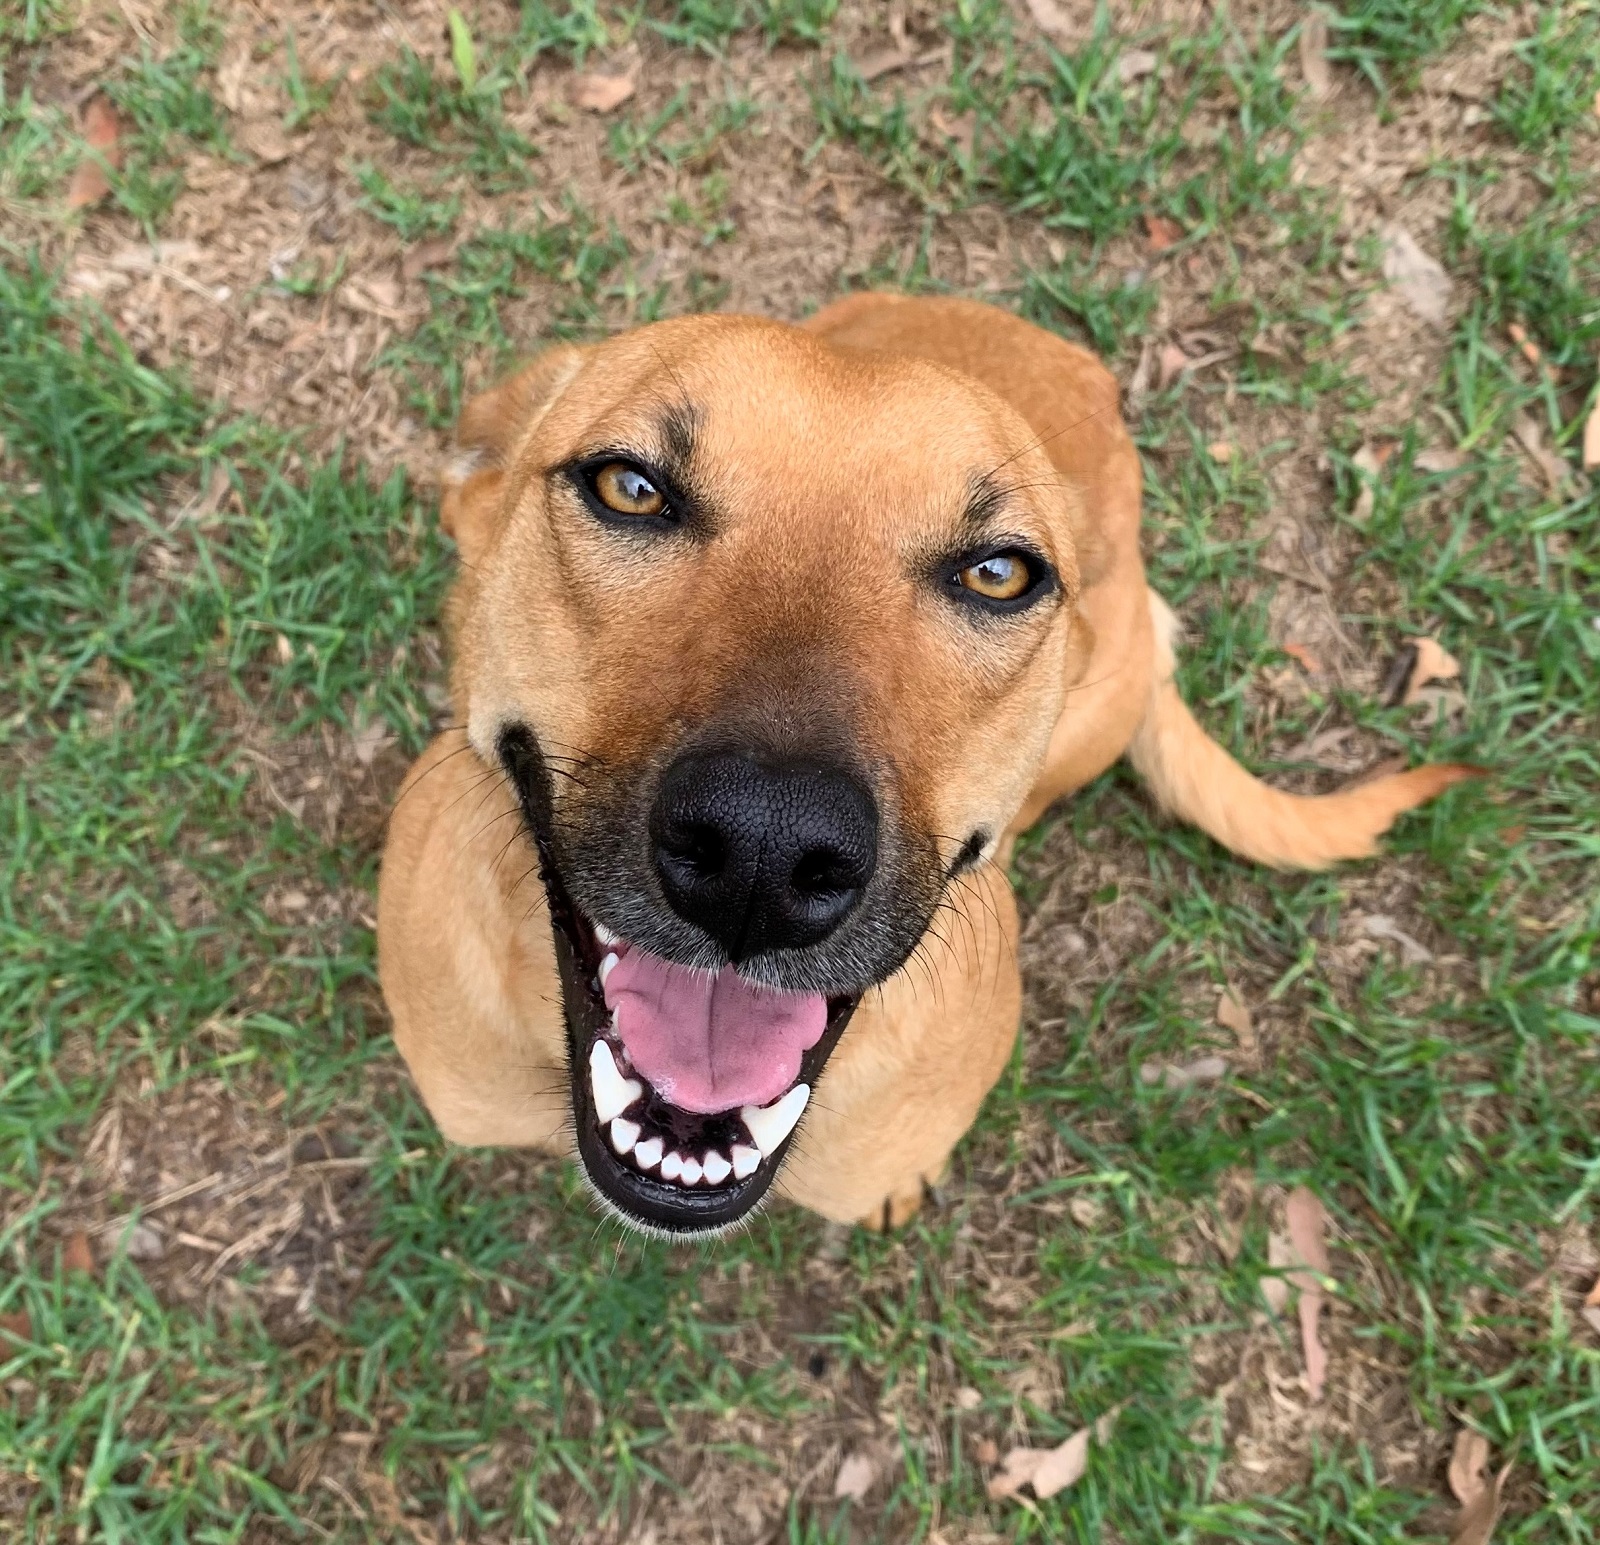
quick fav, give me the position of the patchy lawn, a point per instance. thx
(1347, 265)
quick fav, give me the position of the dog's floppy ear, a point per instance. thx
(490, 427)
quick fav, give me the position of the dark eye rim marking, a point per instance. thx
(582, 474)
(1043, 581)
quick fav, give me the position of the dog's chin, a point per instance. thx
(659, 1167)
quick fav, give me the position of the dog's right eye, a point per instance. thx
(626, 490)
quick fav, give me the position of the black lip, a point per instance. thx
(648, 1203)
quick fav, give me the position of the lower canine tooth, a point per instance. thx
(648, 1154)
(692, 1172)
(745, 1161)
(624, 1134)
(672, 1165)
(716, 1167)
(612, 1093)
(607, 966)
(770, 1124)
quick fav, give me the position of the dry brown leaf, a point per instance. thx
(1307, 660)
(883, 61)
(1220, 451)
(1591, 1318)
(1049, 1470)
(265, 140)
(1163, 233)
(1591, 437)
(378, 295)
(1062, 1466)
(1275, 1287)
(1308, 1224)
(1314, 53)
(604, 91)
(897, 24)
(1475, 1522)
(1204, 1070)
(1440, 458)
(1232, 1013)
(1171, 363)
(1418, 279)
(1467, 1462)
(1433, 663)
(968, 1399)
(962, 130)
(1135, 64)
(1054, 19)
(1591, 1299)
(17, 1323)
(1379, 925)
(856, 1474)
(986, 1451)
(77, 1254)
(1530, 437)
(1519, 336)
(1367, 461)
(1015, 1473)
(425, 255)
(367, 739)
(102, 135)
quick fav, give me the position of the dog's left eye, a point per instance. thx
(1001, 577)
(626, 490)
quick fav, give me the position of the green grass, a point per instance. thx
(32, 21)
(1549, 95)
(1061, 138)
(466, 328)
(414, 213)
(711, 25)
(464, 125)
(1387, 40)
(167, 107)
(193, 599)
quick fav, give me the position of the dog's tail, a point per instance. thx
(1194, 778)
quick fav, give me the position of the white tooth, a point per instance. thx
(770, 1124)
(604, 935)
(691, 1172)
(624, 1134)
(606, 967)
(612, 1093)
(716, 1167)
(745, 1161)
(672, 1165)
(648, 1154)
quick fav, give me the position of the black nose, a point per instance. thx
(760, 855)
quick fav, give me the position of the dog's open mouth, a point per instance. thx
(687, 1087)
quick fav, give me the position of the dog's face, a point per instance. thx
(771, 640)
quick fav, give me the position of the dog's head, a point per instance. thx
(770, 639)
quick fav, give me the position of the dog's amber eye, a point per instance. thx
(999, 577)
(627, 490)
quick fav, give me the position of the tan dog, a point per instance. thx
(768, 640)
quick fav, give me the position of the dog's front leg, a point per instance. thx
(465, 957)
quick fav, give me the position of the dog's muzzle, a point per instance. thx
(688, 1084)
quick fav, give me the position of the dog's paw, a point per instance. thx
(898, 1208)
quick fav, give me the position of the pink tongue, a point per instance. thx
(710, 1043)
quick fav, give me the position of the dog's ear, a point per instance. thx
(490, 427)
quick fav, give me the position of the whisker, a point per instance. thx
(1043, 440)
